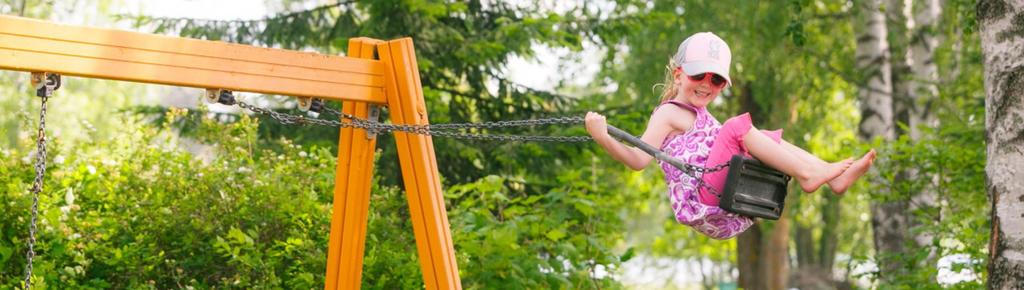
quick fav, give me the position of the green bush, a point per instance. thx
(137, 211)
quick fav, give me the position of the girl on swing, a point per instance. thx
(686, 130)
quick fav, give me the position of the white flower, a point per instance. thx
(243, 169)
(69, 196)
(91, 169)
(59, 159)
(303, 154)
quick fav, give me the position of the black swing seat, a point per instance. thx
(754, 189)
(751, 188)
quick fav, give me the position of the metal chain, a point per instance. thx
(430, 130)
(481, 125)
(691, 170)
(37, 186)
(443, 131)
(705, 170)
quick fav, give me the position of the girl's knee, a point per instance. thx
(739, 124)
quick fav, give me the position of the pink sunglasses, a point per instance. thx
(716, 79)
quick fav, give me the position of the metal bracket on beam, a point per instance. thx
(45, 83)
(312, 106)
(220, 96)
(372, 115)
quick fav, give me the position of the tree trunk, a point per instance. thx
(875, 97)
(873, 59)
(922, 92)
(1002, 44)
(827, 245)
(913, 39)
(763, 264)
(748, 256)
(899, 27)
(804, 247)
(924, 40)
(775, 264)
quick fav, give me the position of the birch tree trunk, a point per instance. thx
(924, 40)
(913, 37)
(899, 25)
(1002, 44)
(876, 122)
(873, 59)
(922, 92)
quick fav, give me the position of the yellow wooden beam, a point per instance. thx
(34, 45)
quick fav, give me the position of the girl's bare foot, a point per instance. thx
(840, 184)
(823, 174)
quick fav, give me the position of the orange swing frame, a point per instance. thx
(375, 73)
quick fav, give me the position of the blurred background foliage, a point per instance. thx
(141, 194)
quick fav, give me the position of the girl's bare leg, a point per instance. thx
(842, 182)
(803, 154)
(809, 173)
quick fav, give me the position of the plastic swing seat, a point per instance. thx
(751, 188)
(754, 189)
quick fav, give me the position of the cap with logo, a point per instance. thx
(704, 52)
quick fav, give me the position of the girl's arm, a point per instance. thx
(665, 120)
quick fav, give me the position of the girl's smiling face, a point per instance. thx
(698, 93)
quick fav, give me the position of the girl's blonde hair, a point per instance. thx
(668, 88)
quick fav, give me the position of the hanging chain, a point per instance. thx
(442, 130)
(451, 130)
(482, 125)
(45, 84)
(705, 170)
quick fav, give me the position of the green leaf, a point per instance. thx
(555, 234)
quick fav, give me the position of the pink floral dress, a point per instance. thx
(692, 147)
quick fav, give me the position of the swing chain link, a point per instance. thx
(705, 170)
(442, 130)
(45, 84)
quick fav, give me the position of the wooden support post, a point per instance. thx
(352, 182)
(404, 94)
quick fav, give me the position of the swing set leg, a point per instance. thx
(353, 177)
(429, 217)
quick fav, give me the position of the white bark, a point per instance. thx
(924, 39)
(922, 92)
(1002, 43)
(877, 122)
(873, 58)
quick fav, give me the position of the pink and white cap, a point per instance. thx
(704, 52)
